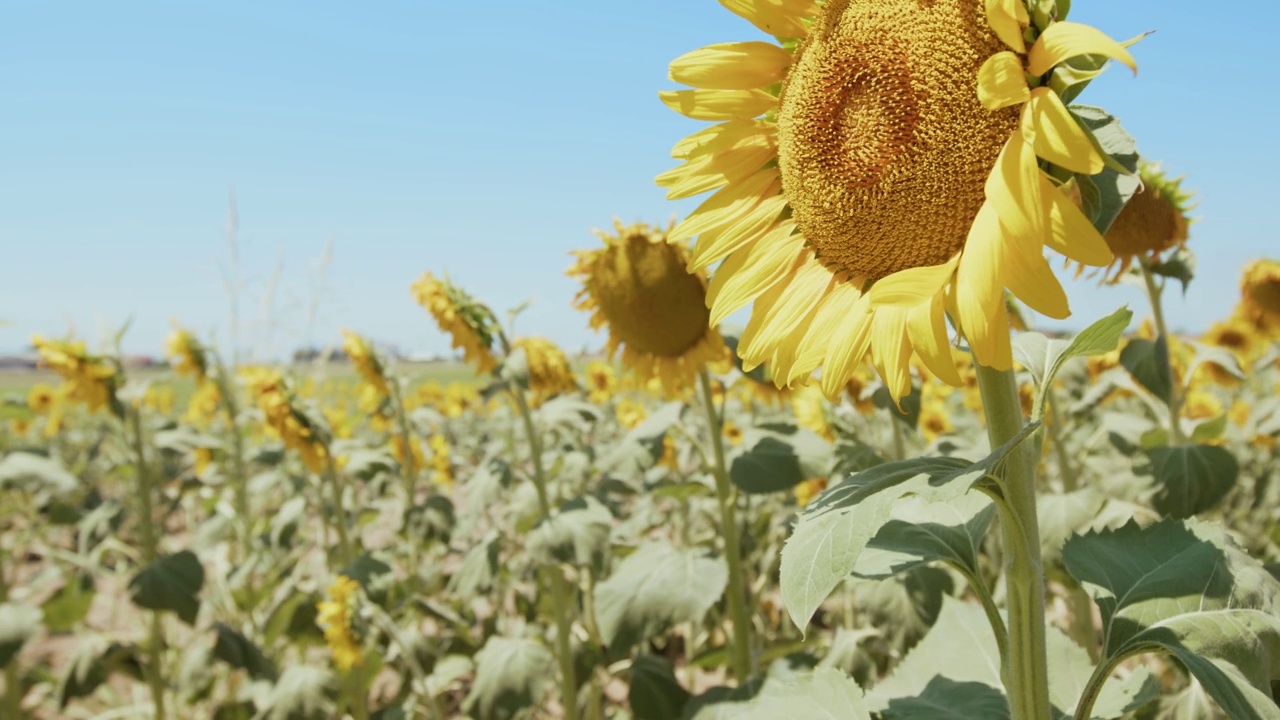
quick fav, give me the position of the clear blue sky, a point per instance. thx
(482, 139)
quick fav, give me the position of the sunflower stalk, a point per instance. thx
(150, 543)
(727, 499)
(12, 679)
(232, 411)
(334, 484)
(559, 587)
(1155, 292)
(1024, 669)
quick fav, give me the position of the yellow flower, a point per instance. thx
(1239, 412)
(335, 616)
(1153, 222)
(470, 324)
(360, 351)
(810, 410)
(765, 393)
(285, 420)
(601, 381)
(40, 398)
(894, 177)
(1260, 294)
(203, 405)
(732, 432)
(159, 398)
(186, 354)
(655, 310)
(340, 422)
(934, 420)
(201, 459)
(808, 490)
(630, 413)
(87, 379)
(441, 465)
(458, 398)
(429, 394)
(19, 426)
(397, 451)
(549, 371)
(1201, 405)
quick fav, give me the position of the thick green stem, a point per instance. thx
(150, 551)
(1025, 669)
(899, 437)
(727, 498)
(1154, 293)
(559, 587)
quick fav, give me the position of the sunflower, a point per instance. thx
(360, 351)
(41, 397)
(807, 490)
(88, 379)
(1260, 294)
(285, 419)
(187, 355)
(732, 432)
(441, 465)
(655, 310)
(335, 616)
(880, 167)
(810, 411)
(469, 323)
(601, 381)
(1201, 405)
(203, 405)
(549, 371)
(934, 420)
(1154, 221)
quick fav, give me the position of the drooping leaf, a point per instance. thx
(238, 651)
(35, 473)
(944, 699)
(779, 457)
(822, 693)
(1148, 362)
(643, 445)
(1190, 479)
(904, 606)
(512, 674)
(921, 532)
(172, 582)
(447, 672)
(1104, 195)
(94, 661)
(70, 604)
(655, 587)
(654, 693)
(577, 532)
(303, 692)
(479, 568)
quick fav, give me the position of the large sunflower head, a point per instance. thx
(879, 168)
(470, 323)
(1260, 293)
(637, 286)
(1153, 222)
(549, 370)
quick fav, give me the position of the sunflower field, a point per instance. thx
(885, 496)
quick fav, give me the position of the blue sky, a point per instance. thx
(481, 140)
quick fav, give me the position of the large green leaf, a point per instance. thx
(1148, 362)
(172, 582)
(654, 693)
(35, 473)
(577, 532)
(944, 699)
(303, 692)
(824, 694)
(479, 568)
(238, 651)
(512, 674)
(94, 661)
(654, 588)
(904, 606)
(1190, 479)
(1044, 357)
(70, 604)
(17, 624)
(779, 457)
(1185, 588)
(1105, 194)
(920, 532)
(642, 446)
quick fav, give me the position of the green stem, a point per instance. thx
(1025, 670)
(1154, 293)
(150, 542)
(727, 498)
(1101, 673)
(12, 678)
(232, 411)
(408, 470)
(992, 611)
(899, 437)
(339, 512)
(1057, 431)
(559, 587)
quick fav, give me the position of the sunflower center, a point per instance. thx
(883, 146)
(653, 305)
(1266, 294)
(1148, 223)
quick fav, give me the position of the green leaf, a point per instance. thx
(1209, 430)
(479, 568)
(94, 661)
(35, 473)
(1044, 357)
(833, 531)
(18, 623)
(238, 651)
(655, 694)
(512, 674)
(69, 605)
(1181, 267)
(374, 576)
(779, 457)
(944, 699)
(1111, 188)
(449, 670)
(642, 446)
(1185, 588)
(1069, 670)
(654, 588)
(566, 411)
(906, 410)
(1221, 357)
(823, 693)
(171, 582)
(366, 463)
(1148, 362)
(303, 692)
(577, 532)
(921, 532)
(904, 606)
(1191, 479)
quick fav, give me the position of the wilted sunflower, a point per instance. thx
(1260, 294)
(335, 616)
(88, 379)
(360, 351)
(470, 324)
(549, 371)
(1153, 222)
(876, 168)
(655, 310)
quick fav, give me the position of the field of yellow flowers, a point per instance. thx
(886, 497)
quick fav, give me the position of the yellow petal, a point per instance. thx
(1031, 279)
(709, 172)
(847, 349)
(891, 349)
(779, 18)
(1070, 231)
(759, 308)
(718, 104)
(913, 286)
(732, 66)
(1001, 82)
(727, 204)
(1007, 18)
(719, 137)
(1013, 191)
(712, 246)
(832, 309)
(979, 291)
(927, 330)
(752, 270)
(1058, 137)
(1062, 41)
(801, 294)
